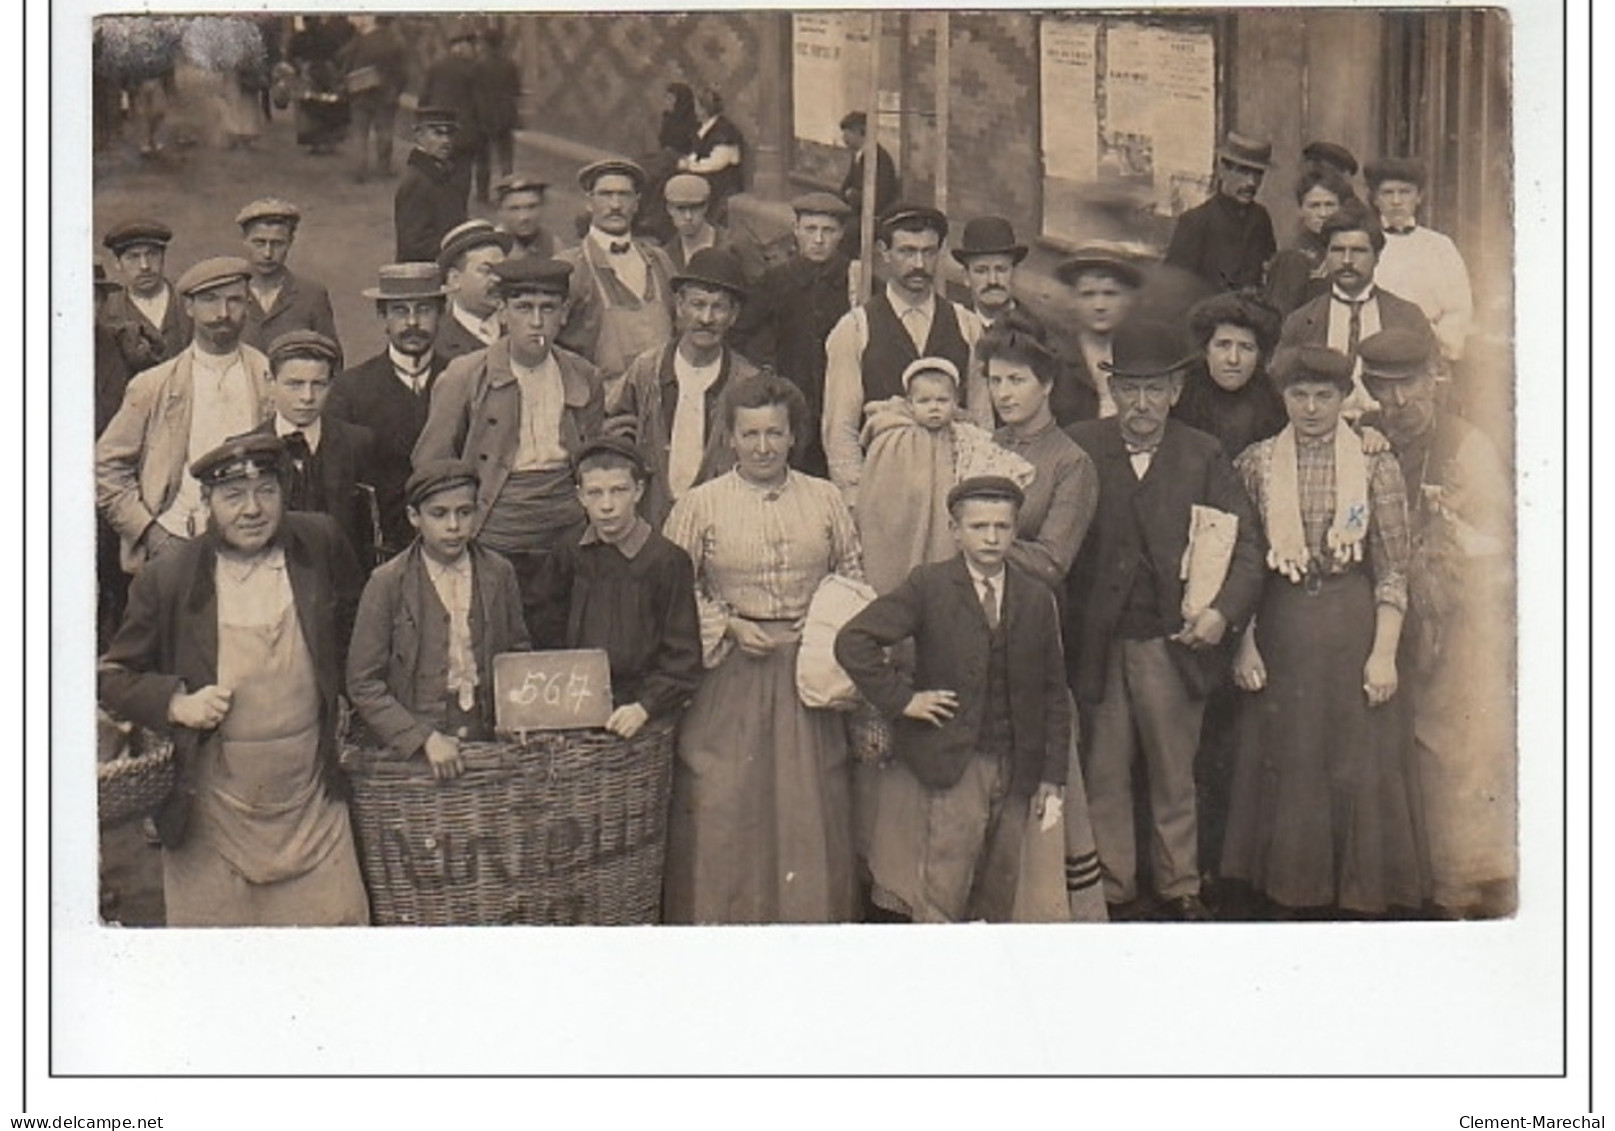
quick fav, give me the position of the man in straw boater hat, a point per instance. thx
(467, 258)
(148, 302)
(174, 412)
(233, 644)
(1228, 239)
(867, 352)
(390, 393)
(621, 302)
(796, 304)
(1143, 660)
(430, 200)
(670, 400)
(278, 301)
(518, 411)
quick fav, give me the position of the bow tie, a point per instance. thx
(619, 248)
(1142, 449)
(297, 445)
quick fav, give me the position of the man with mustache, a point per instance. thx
(278, 301)
(989, 255)
(467, 258)
(1228, 240)
(146, 316)
(867, 352)
(1142, 663)
(621, 302)
(670, 399)
(390, 393)
(1355, 307)
(175, 412)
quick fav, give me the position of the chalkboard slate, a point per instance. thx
(551, 690)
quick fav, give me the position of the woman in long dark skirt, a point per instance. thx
(1324, 816)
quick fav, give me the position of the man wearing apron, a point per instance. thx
(233, 644)
(517, 411)
(621, 294)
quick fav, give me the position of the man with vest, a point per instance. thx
(866, 353)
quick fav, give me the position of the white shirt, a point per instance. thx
(539, 447)
(982, 582)
(404, 368)
(630, 265)
(689, 421)
(311, 432)
(222, 405)
(707, 238)
(1427, 269)
(1098, 354)
(266, 296)
(154, 308)
(485, 330)
(453, 586)
(1359, 401)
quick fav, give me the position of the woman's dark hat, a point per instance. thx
(436, 476)
(988, 235)
(1336, 157)
(713, 267)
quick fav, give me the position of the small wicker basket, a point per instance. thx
(134, 784)
(568, 827)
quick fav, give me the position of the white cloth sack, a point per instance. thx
(821, 682)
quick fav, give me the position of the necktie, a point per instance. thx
(297, 448)
(1354, 332)
(989, 603)
(415, 377)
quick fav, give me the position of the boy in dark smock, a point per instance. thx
(633, 592)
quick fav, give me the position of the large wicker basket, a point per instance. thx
(569, 827)
(135, 782)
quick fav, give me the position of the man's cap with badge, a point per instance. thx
(612, 445)
(130, 233)
(406, 281)
(247, 456)
(713, 267)
(269, 208)
(435, 476)
(1408, 170)
(1098, 258)
(214, 272)
(821, 203)
(906, 217)
(1242, 149)
(1336, 157)
(442, 117)
(996, 488)
(1142, 348)
(519, 182)
(1397, 354)
(621, 166)
(988, 235)
(687, 188)
(304, 343)
(530, 274)
(467, 236)
(1293, 365)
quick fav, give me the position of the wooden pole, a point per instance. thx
(866, 219)
(944, 61)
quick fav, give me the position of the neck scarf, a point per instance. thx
(1286, 534)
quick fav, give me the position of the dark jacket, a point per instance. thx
(429, 202)
(301, 304)
(155, 343)
(341, 464)
(1075, 395)
(371, 395)
(396, 664)
(169, 642)
(453, 339)
(938, 607)
(1308, 325)
(1225, 242)
(1148, 519)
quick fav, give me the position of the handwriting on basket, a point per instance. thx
(551, 690)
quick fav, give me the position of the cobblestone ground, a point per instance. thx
(346, 233)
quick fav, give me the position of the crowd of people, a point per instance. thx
(1204, 617)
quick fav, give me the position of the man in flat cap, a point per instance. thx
(328, 459)
(233, 645)
(453, 82)
(467, 259)
(1418, 263)
(517, 411)
(687, 195)
(1143, 656)
(622, 297)
(1457, 643)
(981, 725)
(1356, 306)
(871, 345)
(390, 393)
(670, 399)
(429, 201)
(989, 253)
(157, 328)
(796, 304)
(175, 412)
(521, 204)
(854, 134)
(278, 301)
(1228, 240)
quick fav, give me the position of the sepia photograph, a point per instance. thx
(918, 481)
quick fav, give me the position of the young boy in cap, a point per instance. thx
(277, 300)
(521, 203)
(1228, 240)
(430, 200)
(981, 728)
(148, 304)
(632, 591)
(687, 195)
(420, 668)
(1420, 264)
